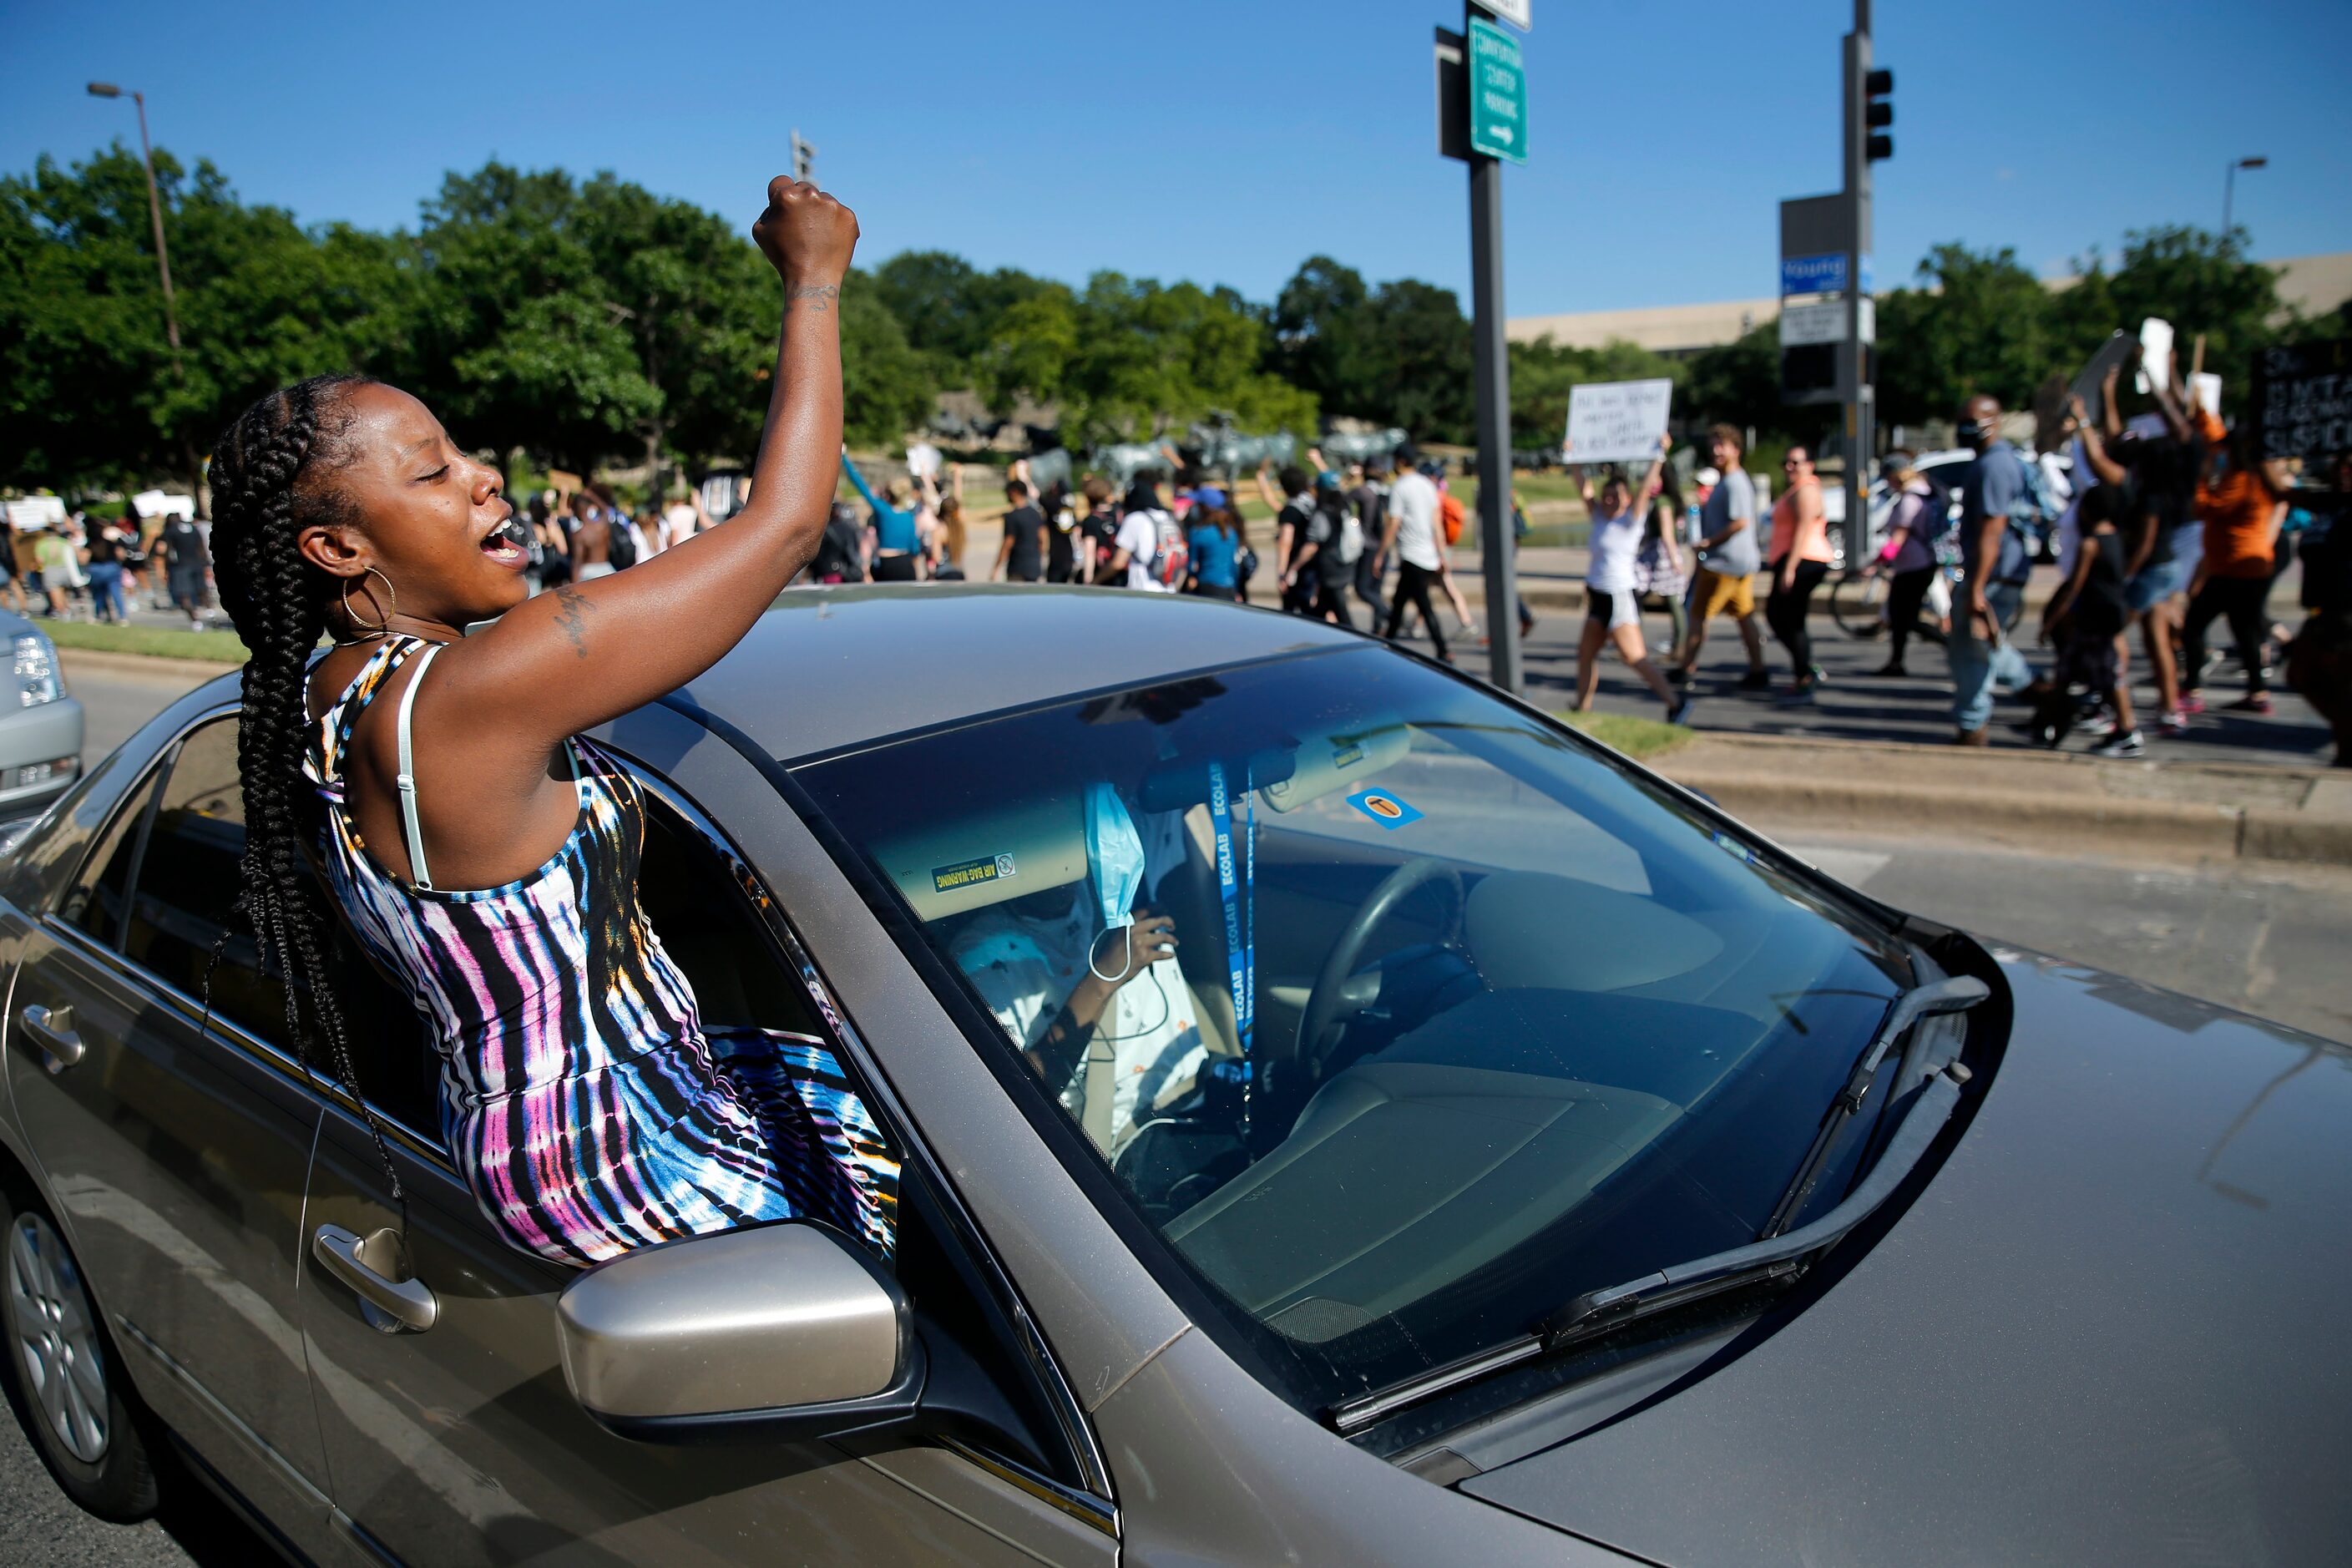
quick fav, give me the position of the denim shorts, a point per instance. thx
(2157, 580)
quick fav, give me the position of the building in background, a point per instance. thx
(2313, 285)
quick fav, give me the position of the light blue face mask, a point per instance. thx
(1115, 860)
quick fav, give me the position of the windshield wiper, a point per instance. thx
(1603, 1311)
(1598, 1312)
(1955, 993)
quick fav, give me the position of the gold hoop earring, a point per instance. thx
(384, 619)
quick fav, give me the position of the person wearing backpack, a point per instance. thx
(1318, 574)
(1918, 519)
(1294, 512)
(1151, 545)
(1994, 499)
(841, 552)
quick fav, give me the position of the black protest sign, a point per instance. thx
(2302, 401)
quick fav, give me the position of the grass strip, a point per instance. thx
(1640, 739)
(153, 642)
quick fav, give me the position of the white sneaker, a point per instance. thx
(2097, 725)
(2126, 745)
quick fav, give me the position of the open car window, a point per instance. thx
(1462, 1019)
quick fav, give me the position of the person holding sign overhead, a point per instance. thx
(1612, 609)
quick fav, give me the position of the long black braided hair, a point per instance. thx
(271, 479)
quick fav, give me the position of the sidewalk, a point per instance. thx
(2036, 800)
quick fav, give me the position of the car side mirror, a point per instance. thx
(784, 1332)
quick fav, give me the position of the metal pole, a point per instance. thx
(1492, 374)
(1858, 407)
(163, 258)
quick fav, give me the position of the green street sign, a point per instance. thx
(1499, 93)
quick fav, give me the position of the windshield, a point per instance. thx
(1439, 1021)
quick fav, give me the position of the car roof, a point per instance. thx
(828, 669)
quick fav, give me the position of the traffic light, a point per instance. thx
(1877, 114)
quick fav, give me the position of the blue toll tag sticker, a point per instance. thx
(1384, 807)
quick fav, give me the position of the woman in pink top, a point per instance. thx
(1798, 560)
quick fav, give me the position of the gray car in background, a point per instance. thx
(40, 722)
(1518, 1162)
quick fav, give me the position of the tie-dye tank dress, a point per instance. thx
(584, 1100)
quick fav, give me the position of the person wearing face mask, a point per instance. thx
(1088, 985)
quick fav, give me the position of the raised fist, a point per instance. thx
(807, 234)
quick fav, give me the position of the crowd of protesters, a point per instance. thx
(2165, 526)
(98, 568)
(2161, 520)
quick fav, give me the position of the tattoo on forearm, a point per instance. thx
(819, 296)
(571, 618)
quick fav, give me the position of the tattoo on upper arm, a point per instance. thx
(571, 617)
(819, 296)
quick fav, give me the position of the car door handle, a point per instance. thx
(52, 1030)
(366, 1264)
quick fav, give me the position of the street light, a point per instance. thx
(2229, 186)
(154, 212)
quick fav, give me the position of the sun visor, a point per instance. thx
(1182, 783)
(1333, 760)
(989, 859)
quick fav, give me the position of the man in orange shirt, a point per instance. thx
(2241, 503)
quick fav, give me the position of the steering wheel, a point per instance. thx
(1339, 989)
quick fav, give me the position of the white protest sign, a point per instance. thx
(36, 512)
(1617, 421)
(2155, 350)
(2205, 391)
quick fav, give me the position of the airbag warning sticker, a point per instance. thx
(969, 873)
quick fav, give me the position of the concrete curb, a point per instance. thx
(1786, 783)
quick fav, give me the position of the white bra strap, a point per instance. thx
(407, 778)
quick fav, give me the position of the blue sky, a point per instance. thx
(1225, 141)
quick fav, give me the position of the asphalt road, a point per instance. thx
(115, 703)
(1854, 706)
(2266, 937)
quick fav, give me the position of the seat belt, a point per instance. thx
(1102, 1086)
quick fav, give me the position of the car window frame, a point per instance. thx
(153, 778)
(1193, 1294)
(1095, 1502)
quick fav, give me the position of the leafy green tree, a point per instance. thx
(952, 312)
(1738, 384)
(1319, 322)
(1543, 374)
(88, 391)
(886, 387)
(1978, 322)
(2200, 282)
(1400, 354)
(1129, 359)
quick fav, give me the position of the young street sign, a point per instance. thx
(1499, 93)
